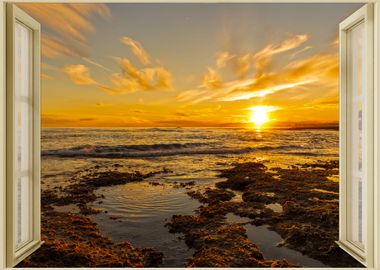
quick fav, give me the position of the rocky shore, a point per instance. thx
(72, 239)
(300, 203)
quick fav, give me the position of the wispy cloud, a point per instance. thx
(335, 42)
(319, 70)
(306, 48)
(223, 58)
(243, 64)
(92, 62)
(129, 79)
(137, 49)
(147, 78)
(264, 56)
(212, 79)
(46, 77)
(152, 76)
(79, 74)
(47, 66)
(53, 47)
(70, 24)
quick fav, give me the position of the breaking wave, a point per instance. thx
(157, 150)
(136, 151)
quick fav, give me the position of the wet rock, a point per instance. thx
(152, 258)
(155, 183)
(244, 174)
(74, 241)
(253, 196)
(308, 221)
(86, 210)
(212, 196)
(218, 244)
(184, 184)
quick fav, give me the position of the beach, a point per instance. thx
(194, 197)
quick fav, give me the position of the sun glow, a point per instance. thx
(260, 114)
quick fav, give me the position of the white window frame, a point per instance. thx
(374, 234)
(365, 255)
(16, 254)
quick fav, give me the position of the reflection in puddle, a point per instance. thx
(276, 207)
(266, 240)
(324, 191)
(142, 210)
(334, 178)
(270, 194)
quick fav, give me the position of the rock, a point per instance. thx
(74, 241)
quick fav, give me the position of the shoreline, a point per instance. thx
(306, 219)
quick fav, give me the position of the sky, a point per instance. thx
(189, 65)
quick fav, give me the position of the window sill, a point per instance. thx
(23, 252)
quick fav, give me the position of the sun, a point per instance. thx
(259, 115)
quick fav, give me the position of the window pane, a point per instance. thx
(23, 135)
(356, 135)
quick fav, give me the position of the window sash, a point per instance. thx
(351, 115)
(23, 149)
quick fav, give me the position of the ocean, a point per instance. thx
(186, 154)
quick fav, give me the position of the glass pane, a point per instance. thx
(23, 135)
(356, 135)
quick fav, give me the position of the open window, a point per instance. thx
(357, 187)
(23, 135)
(356, 135)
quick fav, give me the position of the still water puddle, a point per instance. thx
(137, 213)
(267, 240)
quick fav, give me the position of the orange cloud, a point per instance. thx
(132, 79)
(212, 79)
(243, 64)
(319, 70)
(92, 62)
(306, 48)
(46, 77)
(223, 58)
(79, 74)
(123, 83)
(70, 23)
(263, 57)
(137, 49)
(148, 78)
(316, 71)
(129, 80)
(52, 47)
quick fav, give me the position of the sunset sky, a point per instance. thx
(150, 65)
